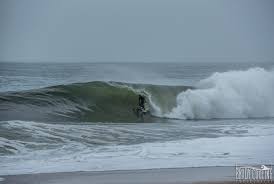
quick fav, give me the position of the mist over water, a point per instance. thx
(24, 76)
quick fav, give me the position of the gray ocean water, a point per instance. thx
(69, 117)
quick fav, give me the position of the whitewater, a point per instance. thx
(232, 94)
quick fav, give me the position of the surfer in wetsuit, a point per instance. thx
(141, 110)
(142, 102)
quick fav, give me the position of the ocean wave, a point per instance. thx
(89, 102)
(232, 94)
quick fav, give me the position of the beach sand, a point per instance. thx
(146, 176)
(195, 175)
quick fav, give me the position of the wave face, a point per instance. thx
(233, 94)
(89, 102)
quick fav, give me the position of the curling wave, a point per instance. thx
(89, 102)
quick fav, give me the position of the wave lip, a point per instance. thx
(233, 94)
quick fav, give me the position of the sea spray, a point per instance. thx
(232, 94)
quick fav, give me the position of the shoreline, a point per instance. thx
(187, 175)
(217, 174)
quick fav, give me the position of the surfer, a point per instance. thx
(142, 101)
(141, 110)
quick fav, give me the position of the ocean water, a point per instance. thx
(57, 117)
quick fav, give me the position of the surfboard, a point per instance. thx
(141, 113)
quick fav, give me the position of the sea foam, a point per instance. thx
(232, 94)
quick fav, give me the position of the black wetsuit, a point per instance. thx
(142, 101)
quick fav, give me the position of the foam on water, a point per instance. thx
(36, 147)
(233, 94)
(224, 151)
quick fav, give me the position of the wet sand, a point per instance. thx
(191, 175)
(147, 176)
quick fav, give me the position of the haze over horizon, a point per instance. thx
(136, 31)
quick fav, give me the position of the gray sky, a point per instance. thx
(136, 30)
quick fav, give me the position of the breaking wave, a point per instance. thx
(233, 94)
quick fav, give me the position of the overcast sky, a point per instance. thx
(136, 30)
